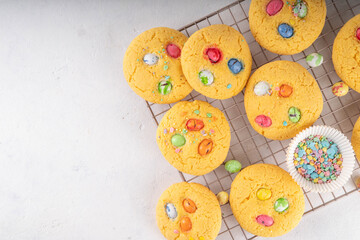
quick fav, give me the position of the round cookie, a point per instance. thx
(345, 53)
(188, 211)
(194, 137)
(216, 61)
(286, 27)
(355, 139)
(266, 201)
(152, 66)
(281, 99)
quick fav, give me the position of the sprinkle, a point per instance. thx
(209, 120)
(159, 51)
(163, 50)
(176, 231)
(209, 115)
(172, 130)
(166, 67)
(177, 150)
(197, 112)
(167, 77)
(138, 60)
(285, 123)
(171, 37)
(165, 131)
(184, 131)
(277, 88)
(229, 86)
(212, 130)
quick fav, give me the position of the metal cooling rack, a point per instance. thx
(248, 146)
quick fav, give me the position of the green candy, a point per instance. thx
(164, 87)
(206, 77)
(178, 140)
(294, 114)
(281, 205)
(300, 9)
(233, 166)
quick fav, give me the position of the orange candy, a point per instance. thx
(194, 124)
(285, 91)
(189, 205)
(205, 147)
(185, 224)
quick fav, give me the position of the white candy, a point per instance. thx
(170, 210)
(314, 59)
(262, 88)
(150, 59)
(206, 77)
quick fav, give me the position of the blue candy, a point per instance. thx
(314, 175)
(325, 143)
(235, 65)
(285, 30)
(301, 152)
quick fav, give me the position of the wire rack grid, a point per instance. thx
(247, 145)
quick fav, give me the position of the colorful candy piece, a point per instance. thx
(273, 7)
(178, 140)
(265, 220)
(170, 211)
(281, 205)
(233, 166)
(340, 89)
(150, 59)
(185, 224)
(285, 90)
(189, 205)
(213, 54)
(235, 65)
(358, 33)
(205, 147)
(300, 10)
(194, 124)
(262, 88)
(285, 30)
(263, 194)
(294, 114)
(173, 50)
(164, 87)
(206, 77)
(223, 198)
(314, 59)
(263, 121)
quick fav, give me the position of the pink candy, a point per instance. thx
(263, 121)
(358, 33)
(273, 7)
(173, 50)
(265, 220)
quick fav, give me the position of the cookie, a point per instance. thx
(216, 61)
(281, 99)
(345, 54)
(188, 211)
(266, 201)
(286, 27)
(152, 66)
(355, 139)
(194, 137)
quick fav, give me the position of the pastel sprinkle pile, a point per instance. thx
(318, 159)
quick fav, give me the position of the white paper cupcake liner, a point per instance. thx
(345, 149)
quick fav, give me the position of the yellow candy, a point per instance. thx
(296, 155)
(296, 163)
(263, 194)
(324, 150)
(339, 162)
(223, 198)
(308, 151)
(292, 22)
(310, 157)
(301, 162)
(315, 180)
(340, 155)
(201, 238)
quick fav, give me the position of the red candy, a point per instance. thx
(265, 220)
(273, 7)
(214, 55)
(358, 33)
(263, 121)
(194, 125)
(173, 50)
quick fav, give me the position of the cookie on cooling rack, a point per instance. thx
(281, 99)
(266, 201)
(188, 211)
(355, 139)
(152, 66)
(286, 27)
(216, 61)
(345, 53)
(194, 137)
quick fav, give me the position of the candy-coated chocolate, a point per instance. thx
(263, 121)
(235, 65)
(164, 87)
(358, 33)
(214, 54)
(185, 224)
(223, 198)
(194, 124)
(178, 140)
(314, 59)
(189, 205)
(170, 211)
(205, 147)
(273, 7)
(233, 166)
(340, 89)
(285, 90)
(206, 77)
(285, 30)
(281, 205)
(265, 220)
(300, 10)
(150, 59)
(173, 50)
(263, 194)
(294, 114)
(262, 88)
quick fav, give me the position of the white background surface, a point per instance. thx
(78, 157)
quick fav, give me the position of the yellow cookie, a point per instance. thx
(355, 139)
(152, 66)
(346, 53)
(217, 61)
(281, 99)
(188, 211)
(266, 201)
(286, 27)
(194, 137)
